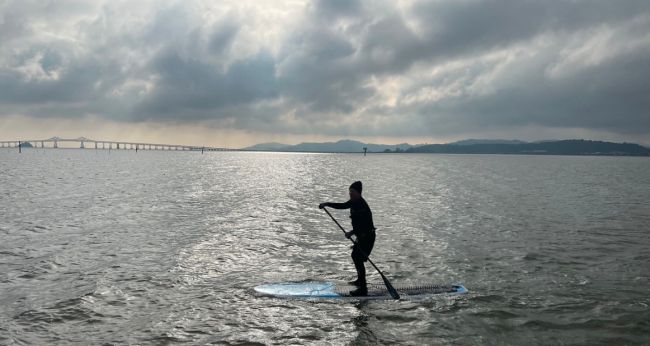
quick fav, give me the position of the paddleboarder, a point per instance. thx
(364, 231)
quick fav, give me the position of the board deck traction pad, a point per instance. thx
(317, 289)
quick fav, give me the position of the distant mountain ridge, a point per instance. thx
(469, 146)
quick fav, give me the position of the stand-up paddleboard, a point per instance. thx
(332, 290)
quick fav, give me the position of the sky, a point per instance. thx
(235, 73)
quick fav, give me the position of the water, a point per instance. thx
(164, 247)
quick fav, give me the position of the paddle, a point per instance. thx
(389, 287)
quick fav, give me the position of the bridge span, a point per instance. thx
(87, 143)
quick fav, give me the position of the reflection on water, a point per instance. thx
(160, 247)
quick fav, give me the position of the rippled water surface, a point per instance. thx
(164, 247)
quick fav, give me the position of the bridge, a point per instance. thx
(87, 143)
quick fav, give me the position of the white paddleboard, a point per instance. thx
(333, 290)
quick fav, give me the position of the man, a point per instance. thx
(364, 230)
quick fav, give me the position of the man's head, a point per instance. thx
(355, 190)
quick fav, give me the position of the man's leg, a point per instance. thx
(361, 270)
(358, 260)
(360, 250)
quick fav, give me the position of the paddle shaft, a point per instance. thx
(391, 290)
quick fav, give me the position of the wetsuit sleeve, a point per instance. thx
(346, 205)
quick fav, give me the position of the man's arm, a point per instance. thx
(346, 205)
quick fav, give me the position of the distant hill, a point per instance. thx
(487, 141)
(562, 147)
(272, 146)
(342, 146)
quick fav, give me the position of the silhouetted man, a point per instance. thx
(364, 230)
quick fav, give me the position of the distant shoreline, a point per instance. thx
(424, 153)
(578, 147)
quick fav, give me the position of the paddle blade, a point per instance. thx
(391, 290)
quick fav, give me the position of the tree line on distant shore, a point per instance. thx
(562, 147)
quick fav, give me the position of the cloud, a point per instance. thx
(200, 91)
(348, 68)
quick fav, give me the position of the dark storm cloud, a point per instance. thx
(337, 8)
(470, 27)
(612, 96)
(222, 37)
(334, 67)
(318, 70)
(197, 87)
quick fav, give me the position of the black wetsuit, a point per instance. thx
(363, 228)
